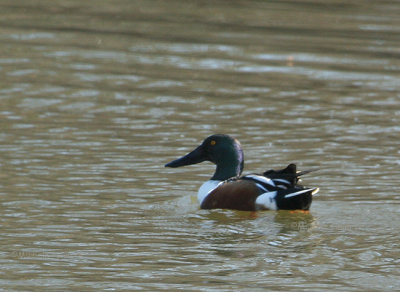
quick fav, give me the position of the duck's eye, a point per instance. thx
(213, 142)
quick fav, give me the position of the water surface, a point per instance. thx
(96, 96)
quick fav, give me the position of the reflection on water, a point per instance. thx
(96, 98)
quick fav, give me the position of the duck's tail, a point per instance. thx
(287, 193)
(289, 174)
(298, 198)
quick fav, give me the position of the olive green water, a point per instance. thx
(96, 96)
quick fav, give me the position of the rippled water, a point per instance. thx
(96, 96)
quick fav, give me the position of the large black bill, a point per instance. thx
(196, 156)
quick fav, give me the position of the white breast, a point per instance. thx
(207, 188)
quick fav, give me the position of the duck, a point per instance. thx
(229, 189)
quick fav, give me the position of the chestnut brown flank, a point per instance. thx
(238, 195)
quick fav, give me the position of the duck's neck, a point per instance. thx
(229, 168)
(222, 173)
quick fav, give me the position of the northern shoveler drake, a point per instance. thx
(272, 190)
